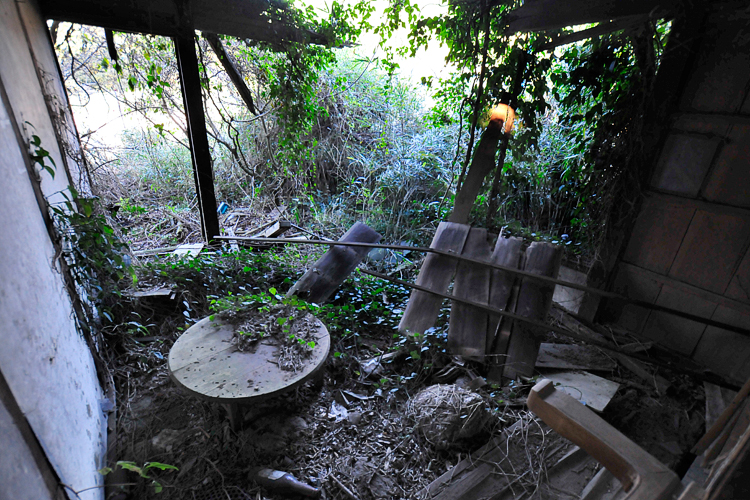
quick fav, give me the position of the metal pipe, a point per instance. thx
(604, 345)
(512, 270)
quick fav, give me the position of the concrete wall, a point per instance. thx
(44, 359)
(689, 247)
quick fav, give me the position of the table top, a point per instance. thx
(204, 362)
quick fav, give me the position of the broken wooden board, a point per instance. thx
(573, 357)
(327, 274)
(717, 399)
(640, 474)
(436, 274)
(276, 229)
(587, 388)
(467, 334)
(493, 471)
(189, 250)
(507, 253)
(534, 300)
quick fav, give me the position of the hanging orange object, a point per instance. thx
(506, 114)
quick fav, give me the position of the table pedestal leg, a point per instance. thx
(234, 412)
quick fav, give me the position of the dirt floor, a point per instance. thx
(352, 436)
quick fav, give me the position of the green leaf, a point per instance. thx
(159, 465)
(104, 471)
(131, 466)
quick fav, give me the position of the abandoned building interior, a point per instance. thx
(677, 279)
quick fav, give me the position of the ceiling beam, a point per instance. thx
(542, 15)
(247, 19)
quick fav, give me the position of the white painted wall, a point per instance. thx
(43, 358)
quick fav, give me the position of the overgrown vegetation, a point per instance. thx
(334, 136)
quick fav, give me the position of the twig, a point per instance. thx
(346, 490)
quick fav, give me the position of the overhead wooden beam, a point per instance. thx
(187, 62)
(542, 15)
(601, 29)
(254, 19)
(229, 66)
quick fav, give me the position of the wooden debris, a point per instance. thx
(573, 357)
(436, 274)
(640, 474)
(467, 335)
(189, 250)
(502, 469)
(717, 399)
(587, 388)
(507, 253)
(534, 300)
(274, 230)
(327, 274)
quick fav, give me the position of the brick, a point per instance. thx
(711, 250)
(683, 163)
(657, 235)
(673, 332)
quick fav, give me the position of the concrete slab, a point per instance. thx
(712, 249)
(658, 234)
(678, 334)
(739, 287)
(720, 75)
(729, 181)
(726, 353)
(684, 162)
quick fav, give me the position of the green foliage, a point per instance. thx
(96, 256)
(142, 471)
(40, 156)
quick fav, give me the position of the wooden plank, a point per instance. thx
(507, 252)
(573, 357)
(481, 165)
(534, 300)
(542, 15)
(641, 475)
(717, 399)
(276, 229)
(231, 70)
(327, 274)
(727, 440)
(586, 388)
(725, 416)
(187, 63)
(189, 249)
(436, 274)
(492, 471)
(467, 335)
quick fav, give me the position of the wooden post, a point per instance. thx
(187, 62)
(467, 334)
(534, 300)
(231, 69)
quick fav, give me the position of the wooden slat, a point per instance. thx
(436, 274)
(187, 63)
(507, 253)
(721, 422)
(573, 357)
(727, 440)
(467, 335)
(327, 274)
(587, 388)
(641, 475)
(534, 300)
